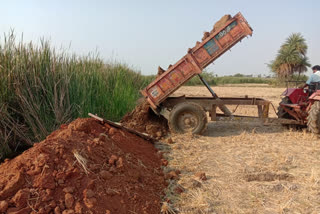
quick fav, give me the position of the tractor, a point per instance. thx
(302, 105)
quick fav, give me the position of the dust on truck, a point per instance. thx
(189, 113)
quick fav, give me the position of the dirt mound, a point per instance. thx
(84, 167)
(221, 22)
(205, 35)
(143, 119)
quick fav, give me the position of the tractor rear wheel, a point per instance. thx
(188, 117)
(281, 112)
(314, 118)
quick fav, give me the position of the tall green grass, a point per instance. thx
(41, 88)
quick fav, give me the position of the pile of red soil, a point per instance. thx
(144, 120)
(85, 167)
(223, 20)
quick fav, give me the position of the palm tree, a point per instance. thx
(291, 57)
(297, 41)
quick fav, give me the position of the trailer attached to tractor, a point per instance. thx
(189, 113)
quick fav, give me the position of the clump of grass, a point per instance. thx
(41, 88)
(167, 209)
(82, 161)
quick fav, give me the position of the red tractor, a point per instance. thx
(303, 106)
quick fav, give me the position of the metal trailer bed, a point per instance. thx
(197, 58)
(190, 112)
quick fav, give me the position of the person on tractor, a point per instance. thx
(314, 79)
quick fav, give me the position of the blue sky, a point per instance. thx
(145, 34)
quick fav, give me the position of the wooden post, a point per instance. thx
(260, 114)
(213, 113)
(266, 110)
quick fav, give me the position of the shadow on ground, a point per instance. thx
(230, 128)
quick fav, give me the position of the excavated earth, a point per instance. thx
(144, 120)
(84, 167)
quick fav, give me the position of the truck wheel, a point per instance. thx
(314, 118)
(281, 112)
(188, 117)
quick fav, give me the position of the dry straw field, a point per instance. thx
(250, 168)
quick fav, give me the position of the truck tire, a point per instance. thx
(281, 113)
(188, 117)
(314, 118)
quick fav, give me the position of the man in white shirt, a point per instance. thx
(315, 77)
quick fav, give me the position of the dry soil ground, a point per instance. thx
(250, 168)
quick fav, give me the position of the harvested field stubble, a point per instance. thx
(250, 168)
(84, 168)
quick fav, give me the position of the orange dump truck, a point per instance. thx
(189, 113)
